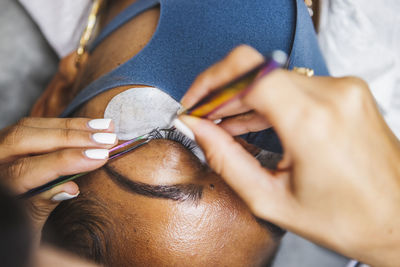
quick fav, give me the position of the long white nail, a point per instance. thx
(183, 128)
(63, 196)
(99, 124)
(104, 138)
(96, 153)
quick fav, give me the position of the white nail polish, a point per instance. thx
(183, 128)
(96, 153)
(217, 121)
(104, 138)
(99, 124)
(63, 196)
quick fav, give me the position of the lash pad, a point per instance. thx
(139, 110)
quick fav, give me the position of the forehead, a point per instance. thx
(209, 228)
(159, 231)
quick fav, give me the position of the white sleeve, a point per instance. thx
(362, 38)
(61, 21)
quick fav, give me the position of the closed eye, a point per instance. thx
(174, 135)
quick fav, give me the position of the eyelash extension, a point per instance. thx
(174, 135)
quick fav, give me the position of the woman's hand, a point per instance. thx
(38, 150)
(339, 181)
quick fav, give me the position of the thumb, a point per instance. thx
(258, 187)
(42, 205)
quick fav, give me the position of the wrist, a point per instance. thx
(380, 244)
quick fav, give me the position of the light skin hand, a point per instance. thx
(339, 181)
(38, 150)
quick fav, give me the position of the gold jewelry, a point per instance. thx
(88, 32)
(309, 7)
(304, 71)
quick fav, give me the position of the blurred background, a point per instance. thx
(26, 62)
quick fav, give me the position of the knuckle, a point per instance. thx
(243, 50)
(63, 160)
(354, 93)
(23, 121)
(243, 57)
(354, 86)
(353, 81)
(64, 156)
(68, 123)
(16, 173)
(13, 135)
(67, 136)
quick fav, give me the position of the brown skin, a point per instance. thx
(218, 230)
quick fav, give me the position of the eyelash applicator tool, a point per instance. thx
(114, 152)
(235, 89)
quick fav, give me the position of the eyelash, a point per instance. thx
(174, 135)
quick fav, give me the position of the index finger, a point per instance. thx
(68, 123)
(288, 101)
(238, 62)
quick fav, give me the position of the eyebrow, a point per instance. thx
(176, 192)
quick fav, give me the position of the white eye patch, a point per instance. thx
(139, 110)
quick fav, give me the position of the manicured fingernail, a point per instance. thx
(99, 124)
(96, 153)
(105, 138)
(183, 128)
(180, 110)
(218, 121)
(63, 196)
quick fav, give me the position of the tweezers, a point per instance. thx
(114, 153)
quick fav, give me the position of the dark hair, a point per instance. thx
(81, 226)
(15, 232)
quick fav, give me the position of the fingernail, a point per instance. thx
(104, 138)
(180, 110)
(63, 196)
(183, 128)
(99, 124)
(96, 153)
(218, 121)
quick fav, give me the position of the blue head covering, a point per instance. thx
(193, 35)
